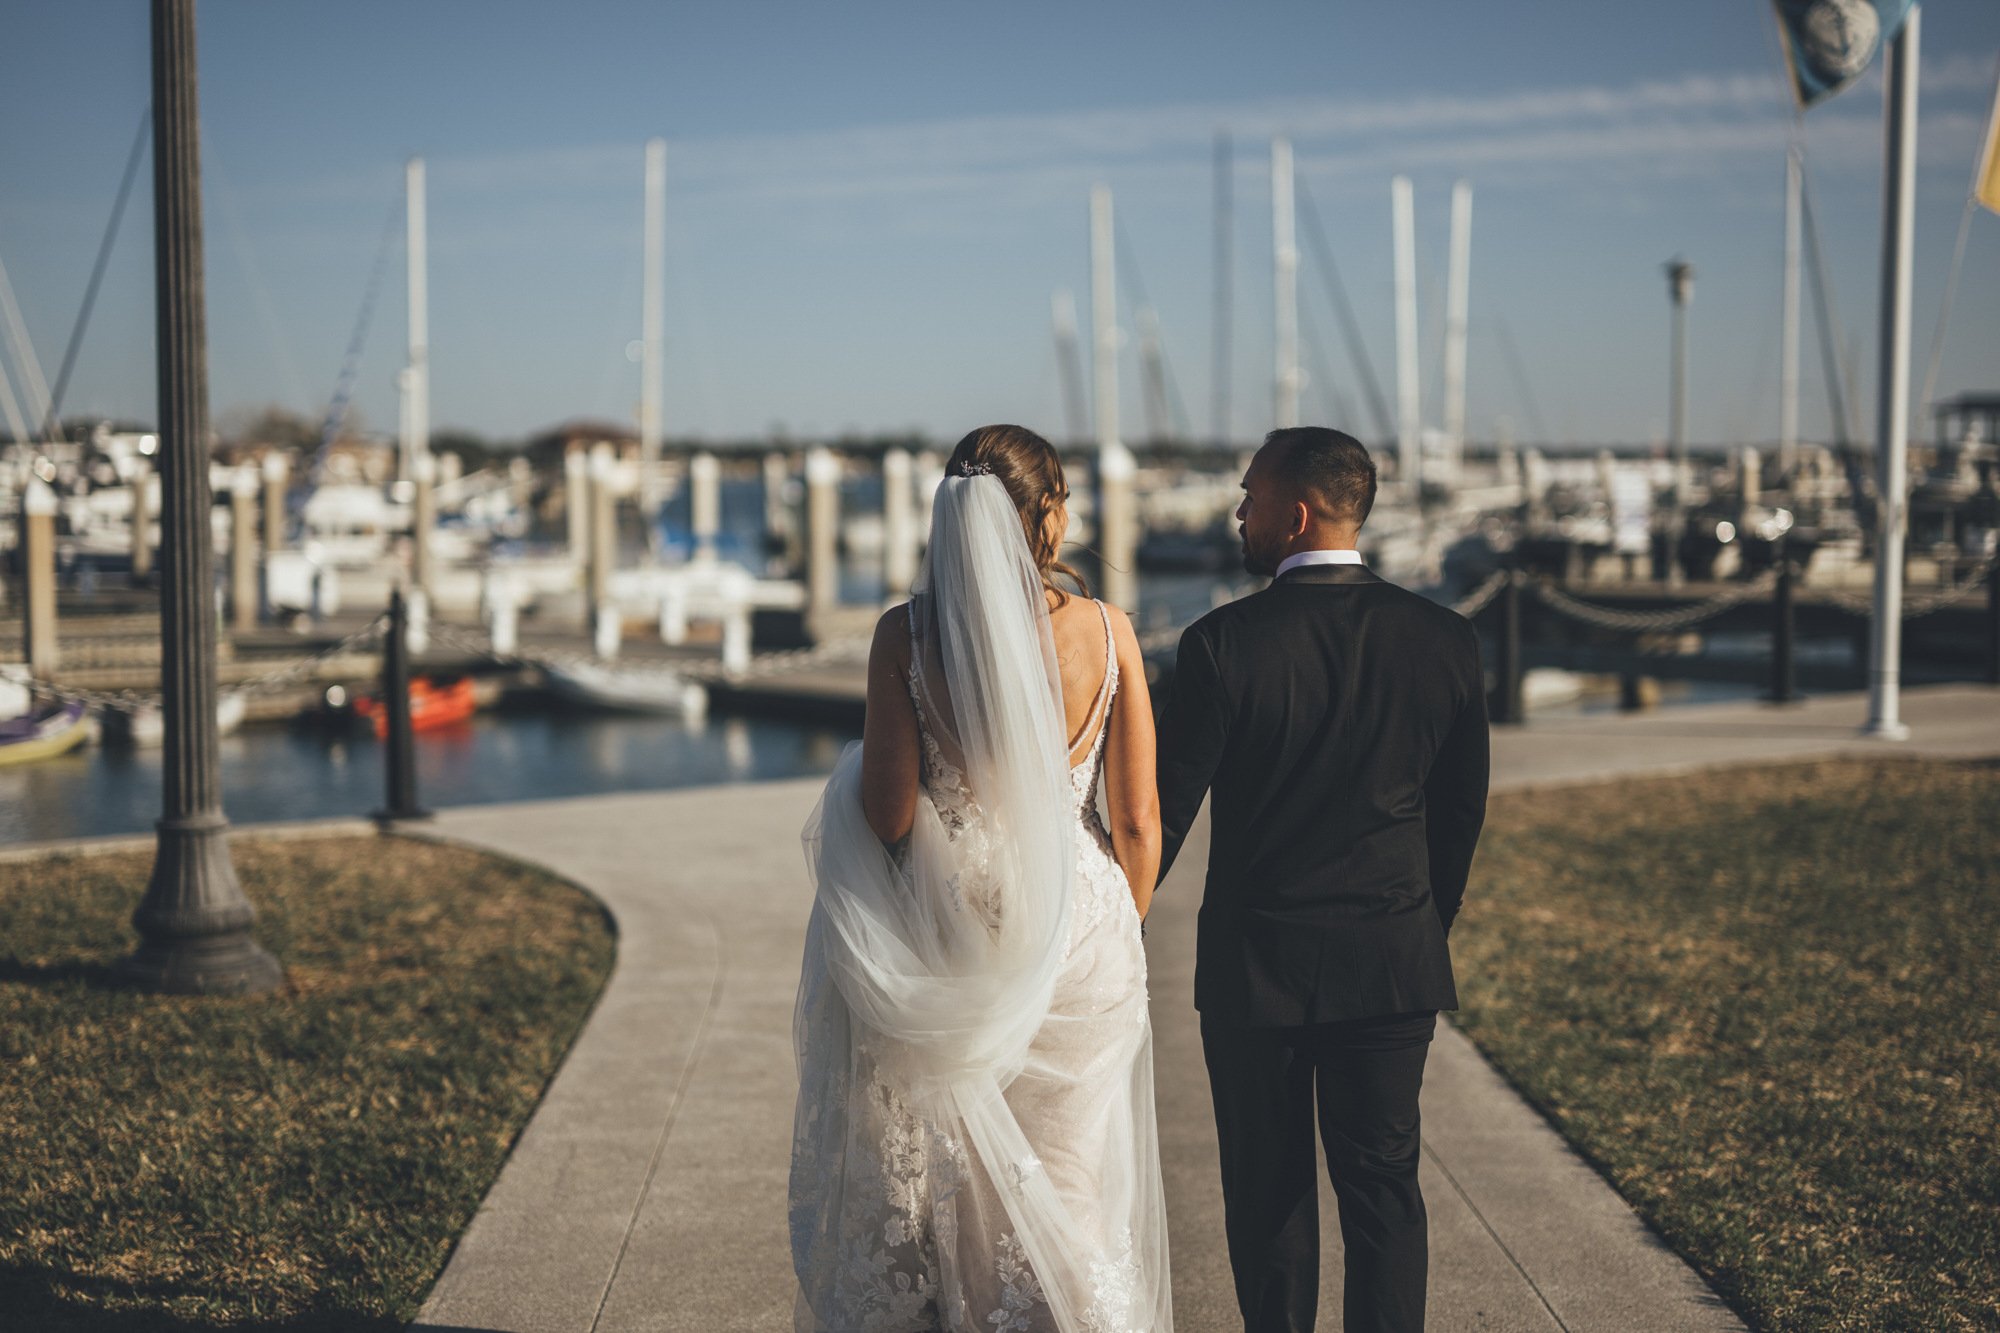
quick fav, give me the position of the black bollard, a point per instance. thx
(400, 754)
(1993, 624)
(1507, 707)
(1784, 674)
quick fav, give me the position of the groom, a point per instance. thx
(1340, 722)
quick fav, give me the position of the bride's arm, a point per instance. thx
(1131, 793)
(889, 761)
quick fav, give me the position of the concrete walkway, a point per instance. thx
(648, 1190)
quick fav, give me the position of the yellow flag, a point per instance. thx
(1988, 188)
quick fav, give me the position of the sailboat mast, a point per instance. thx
(1225, 274)
(1285, 286)
(1409, 426)
(652, 330)
(1457, 305)
(1788, 340)
(416, 373)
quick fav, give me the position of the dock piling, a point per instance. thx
(822, 530)
(1784, 673)
(899, 533)
(38, 578)
(243, 562)
(145, 503)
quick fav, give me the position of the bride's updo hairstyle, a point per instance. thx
(1028, 467)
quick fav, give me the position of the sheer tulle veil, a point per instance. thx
(933, 964)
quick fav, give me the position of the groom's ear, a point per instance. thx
(1301, 518)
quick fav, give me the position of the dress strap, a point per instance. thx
(1100, 706)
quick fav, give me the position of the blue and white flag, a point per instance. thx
(1828, 43)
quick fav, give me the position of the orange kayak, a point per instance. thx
(431, 705)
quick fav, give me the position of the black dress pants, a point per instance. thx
(1364, 1076)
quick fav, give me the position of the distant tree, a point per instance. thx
(272, 424)
(474, 450)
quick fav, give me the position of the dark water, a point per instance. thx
(283, 773)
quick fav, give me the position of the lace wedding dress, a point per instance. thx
(975, 1145)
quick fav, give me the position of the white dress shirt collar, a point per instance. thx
(1299, 558)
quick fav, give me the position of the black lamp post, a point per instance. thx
(194, 921)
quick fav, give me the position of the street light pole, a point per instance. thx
(1680, 290)
(194, 921)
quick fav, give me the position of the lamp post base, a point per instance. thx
(194, 922)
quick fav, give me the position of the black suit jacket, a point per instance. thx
(1341, 722)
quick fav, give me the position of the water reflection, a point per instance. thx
(279, 773)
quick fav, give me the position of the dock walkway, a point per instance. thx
(648, 1191)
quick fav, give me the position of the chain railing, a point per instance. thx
(286, 673)
(1651, 622)
(1481, 597)
(844, 649)
(1863, 604)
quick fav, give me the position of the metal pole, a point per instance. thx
(1993, 625)
(1225, 274)
(1784, 675)
(652, 372)
(1285, 286)
(1458, 287)
(1508, 707)
(1892, 424)
(1680, 290)
(400, 754)
(418, 425)
(1409, 402)
(194, 922)
(1788, 341)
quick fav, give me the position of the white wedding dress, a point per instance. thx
(975, 1145)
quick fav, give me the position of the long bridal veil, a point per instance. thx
(930, 972)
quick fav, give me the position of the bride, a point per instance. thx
(975, 1146)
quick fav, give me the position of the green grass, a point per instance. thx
(298, 1160)
(1767, 1004)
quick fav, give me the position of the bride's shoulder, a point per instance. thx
(892, 634)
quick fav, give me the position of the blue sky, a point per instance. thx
(869, 205)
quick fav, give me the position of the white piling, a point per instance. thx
(822, 530)
(244, 487)
(145, 501)
(605, 627)
(899, 528)
(38, 583)
(276, 472)
(704, 503)
(576, 504)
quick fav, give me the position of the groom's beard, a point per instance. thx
(1264, 564)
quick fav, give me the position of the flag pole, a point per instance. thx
(1892, 422)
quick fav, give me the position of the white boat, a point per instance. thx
(629, 689)
(146, 727)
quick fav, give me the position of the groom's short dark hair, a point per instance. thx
(1330, 466)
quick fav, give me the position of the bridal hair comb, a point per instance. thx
(974, 470)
